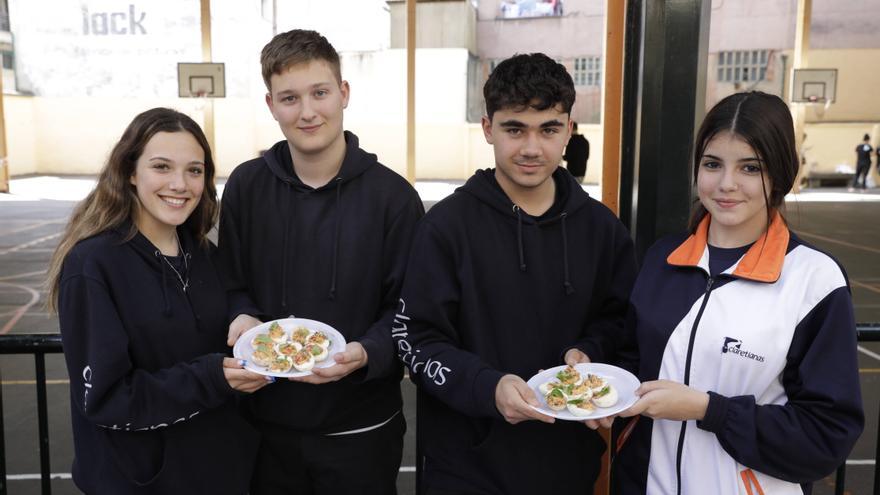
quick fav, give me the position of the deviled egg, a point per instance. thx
(319, 338)
(569, 375)
(263, 355)
(288, 348)
(262, 339)
(606, 397)
(301, 335)
(546, 387)
(319, 352)
(580, 407)
(281, 364)
(276, 333)
(303, 360)
(555, 400)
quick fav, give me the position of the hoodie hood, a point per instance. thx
(355, 163)
(483, 186)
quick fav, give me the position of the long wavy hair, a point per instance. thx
(114, 200)
(764, 122)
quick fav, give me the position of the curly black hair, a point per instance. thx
(528, 80)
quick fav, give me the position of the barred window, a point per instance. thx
(588, 71)
(742, 65)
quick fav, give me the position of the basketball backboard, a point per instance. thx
(814, 85)
(201, 80)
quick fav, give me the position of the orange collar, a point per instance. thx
(761, 263)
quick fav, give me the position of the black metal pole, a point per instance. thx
(43, 422)
(669, 102)
(2, 443)
(877, 460)
(840, 479)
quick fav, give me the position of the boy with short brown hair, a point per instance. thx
(319, 229)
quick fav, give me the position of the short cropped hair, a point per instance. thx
(528, 80)
(297, 47)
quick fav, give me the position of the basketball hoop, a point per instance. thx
(201, 97)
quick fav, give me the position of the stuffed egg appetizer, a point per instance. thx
(546, 387)
(276, 333)
(606, 397)
(281, 364)
(319, 338)
(555, 399)
(318, 352)
(596, 382)
(580, 390)
(580, 407)
(303, 360)
(288, 348)
(262, 339)
(301, 335)
(569, 375)
(263, 355)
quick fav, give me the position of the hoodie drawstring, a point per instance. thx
(332, 293)
(167, 310)
(566, 283)
(522, 257)
(284, 256)
(569, 289)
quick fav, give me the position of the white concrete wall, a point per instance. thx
(579, 32)
(21, 134)
(439, 24)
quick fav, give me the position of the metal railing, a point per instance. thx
(41, 344)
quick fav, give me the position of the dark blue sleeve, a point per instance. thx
(426, 336)
(105, 385)
(381, 359)
(232, 253)
(810, 436)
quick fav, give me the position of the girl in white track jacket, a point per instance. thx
(746, 334)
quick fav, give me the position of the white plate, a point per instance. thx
(243, 349)
(625, 382)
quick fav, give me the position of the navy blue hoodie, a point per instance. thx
(334, 254)
(150, 407)
(489, 291)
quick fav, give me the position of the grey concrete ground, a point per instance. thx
(841, 223)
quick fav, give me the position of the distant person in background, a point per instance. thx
(863, 162)
(577, 152)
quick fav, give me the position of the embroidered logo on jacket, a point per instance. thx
(734, 346)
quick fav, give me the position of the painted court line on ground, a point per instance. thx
(836, 241)
(30, 243)
(35, 296)
(869, 353)
(34, 226)
(865, 286)
(23, 275)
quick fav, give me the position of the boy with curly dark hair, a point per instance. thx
(517, 271)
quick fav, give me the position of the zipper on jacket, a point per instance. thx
(687, 379)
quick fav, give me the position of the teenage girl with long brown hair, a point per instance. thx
(143, 323)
